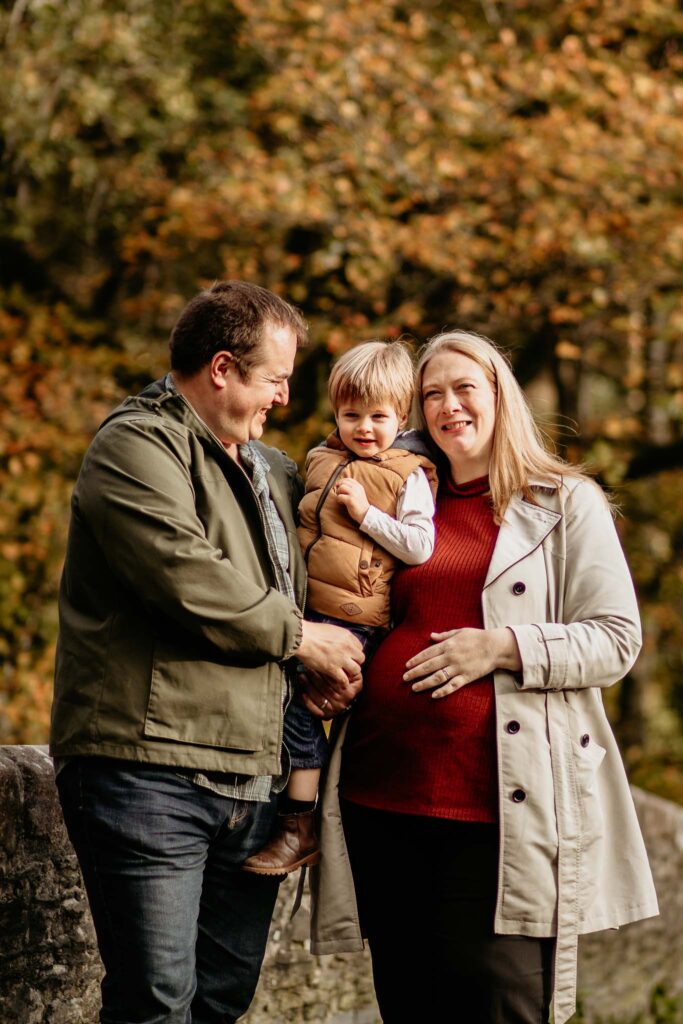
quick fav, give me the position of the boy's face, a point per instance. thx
(367, 430)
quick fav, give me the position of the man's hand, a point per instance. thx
(331, 651)
(324, 700)
(352, 495)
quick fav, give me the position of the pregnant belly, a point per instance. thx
(407, 751)
(388, 695)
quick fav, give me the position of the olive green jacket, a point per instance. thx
(172, 632)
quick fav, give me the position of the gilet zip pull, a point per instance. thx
(321, 501)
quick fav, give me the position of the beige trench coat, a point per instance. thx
(572, 858)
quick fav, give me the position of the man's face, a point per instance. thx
(243, 404)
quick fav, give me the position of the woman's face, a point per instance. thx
(459, 405)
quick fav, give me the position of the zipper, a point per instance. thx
(321, 501)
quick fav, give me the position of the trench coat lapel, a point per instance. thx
(523, 529)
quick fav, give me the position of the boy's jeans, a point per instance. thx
(182, 930)
(304, 734)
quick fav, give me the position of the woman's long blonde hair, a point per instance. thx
(519, 451)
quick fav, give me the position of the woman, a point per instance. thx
(484, 803)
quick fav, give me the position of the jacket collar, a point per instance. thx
(524, 528)
(333, 441)
(161, 398)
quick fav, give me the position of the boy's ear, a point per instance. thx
(402, 422)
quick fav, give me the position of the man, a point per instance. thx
(180, 609)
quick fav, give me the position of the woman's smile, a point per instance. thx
(454, 426)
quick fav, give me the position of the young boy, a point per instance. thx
(368, 504)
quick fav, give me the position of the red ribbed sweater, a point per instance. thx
(405, 751)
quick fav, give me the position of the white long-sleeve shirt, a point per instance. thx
(410, 535)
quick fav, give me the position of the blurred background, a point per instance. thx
(513, 167)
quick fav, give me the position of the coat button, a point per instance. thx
(519, 796)
(513, 727)
(585, 740)
(518, 588)
(363, 564)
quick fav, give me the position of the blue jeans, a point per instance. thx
(182, 931)
(304, 734)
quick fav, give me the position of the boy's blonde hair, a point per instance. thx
(374, 373)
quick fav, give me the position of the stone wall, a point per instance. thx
(49, 969)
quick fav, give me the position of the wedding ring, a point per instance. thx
(324, 704)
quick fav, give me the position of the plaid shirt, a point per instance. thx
(273, 527)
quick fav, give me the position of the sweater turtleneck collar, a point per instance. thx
(471, 489)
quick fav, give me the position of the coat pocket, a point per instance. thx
(370, 564)
(206, 703)
(588, 757)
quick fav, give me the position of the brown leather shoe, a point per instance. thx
(293, 845)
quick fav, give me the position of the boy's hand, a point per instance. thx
(352, 495)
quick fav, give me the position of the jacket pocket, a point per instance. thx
(206, 703)
(369, 568)
(588, 757)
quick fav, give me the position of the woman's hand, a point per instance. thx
(460, 656)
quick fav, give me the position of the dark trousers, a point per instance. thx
(426, 890)
(181, 929)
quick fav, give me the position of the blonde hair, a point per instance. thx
(374, 373)
(519, 452)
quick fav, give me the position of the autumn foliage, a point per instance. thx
(510, 166)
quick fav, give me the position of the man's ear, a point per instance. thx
(221, 367)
